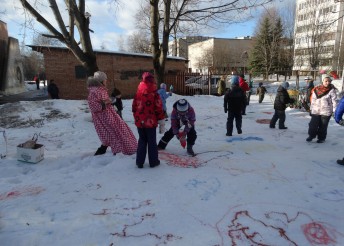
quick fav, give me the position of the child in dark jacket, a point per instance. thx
(338, 118)
(280, 104)
(116, 98)
(261, 90)
(182, 115)
(234, 103)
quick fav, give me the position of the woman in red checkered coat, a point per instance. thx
(111, 129)
(148, 113)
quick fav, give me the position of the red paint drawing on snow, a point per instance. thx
(263, 121)
(25, 191)
(179, 161)
(317, 234)
(248, 230)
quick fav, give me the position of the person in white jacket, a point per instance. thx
(323, 104)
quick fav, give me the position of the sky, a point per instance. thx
(111, 25)
(263, 187)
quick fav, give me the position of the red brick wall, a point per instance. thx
(123, 71)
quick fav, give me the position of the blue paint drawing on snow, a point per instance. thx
(205, 188)
(334, 195)
(244, 139)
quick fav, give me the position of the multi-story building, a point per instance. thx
(319, 36)
(220, 55)
(179, 47)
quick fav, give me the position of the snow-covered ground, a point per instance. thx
(263, 187)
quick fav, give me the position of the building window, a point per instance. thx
(80, 72)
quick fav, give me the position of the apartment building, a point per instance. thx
(319, 36)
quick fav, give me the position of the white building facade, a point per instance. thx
(319, 36)
(220, 55)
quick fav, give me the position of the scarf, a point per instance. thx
(321, 90)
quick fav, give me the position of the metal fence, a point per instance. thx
(192, 83)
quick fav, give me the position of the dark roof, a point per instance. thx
(40, 48)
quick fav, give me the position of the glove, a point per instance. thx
(161, 126)
(341, 122)
(182, 138)
(225, 110)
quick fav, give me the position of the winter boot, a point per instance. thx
(101, 150)
(340, 162)
(189, 150)
(162, 145)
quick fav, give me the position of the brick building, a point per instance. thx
(123, 69)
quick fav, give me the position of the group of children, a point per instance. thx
(149, 111)
(323, 104)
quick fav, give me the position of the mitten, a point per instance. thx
(182, 138)
(161, 126)
(341, 122)
(225, 110)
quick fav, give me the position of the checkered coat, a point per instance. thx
(111, 129)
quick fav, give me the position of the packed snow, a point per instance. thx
(263, 187)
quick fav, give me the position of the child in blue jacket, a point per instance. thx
(338, 114)
(164, 95)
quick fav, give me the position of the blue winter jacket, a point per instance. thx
(338, 114)
(164, 95)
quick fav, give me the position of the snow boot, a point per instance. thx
(162, 145)
(101, 150)
(189, 150)
(340, 162)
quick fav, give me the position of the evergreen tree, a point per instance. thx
(277, 35)
(266, 54)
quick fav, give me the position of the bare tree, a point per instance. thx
(77, 18)
(202, 13)
(139, 42)
(120, 44)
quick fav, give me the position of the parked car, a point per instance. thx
(199, 85)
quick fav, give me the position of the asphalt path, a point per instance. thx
(33, 95)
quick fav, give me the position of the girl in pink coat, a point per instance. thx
(111, 129)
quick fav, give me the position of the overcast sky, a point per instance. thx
(109, 23)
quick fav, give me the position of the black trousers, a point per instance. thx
(261, 98)
(279, 114)
(248, 95)
(147, 138)
(238, 121)
(318, 126)
(190, 138)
